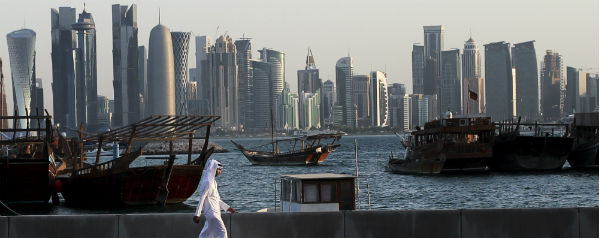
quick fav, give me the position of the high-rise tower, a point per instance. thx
(161, 72)
(498, 81)
(527, 87)
(379, 99)
(344, 69)
(473, 93)
(309, 84)
(553, 86)
(63, 71)
(21, 51)
(418, 67)
(181, 44)
(125, 65)
(244, 55)
(433, 46)
(277, 79)
(86, 73)
(222, 73)
(450, 82)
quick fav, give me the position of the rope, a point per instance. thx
(8, 208)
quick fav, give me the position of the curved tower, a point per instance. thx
(181, 44)
(21, 51)
(161, 72)
(379, 99)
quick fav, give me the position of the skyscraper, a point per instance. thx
(591, 93)
(200, 75)
(527, 87)
(434, 44)
(471, 79)
(328, 102)
(361, 96)
(422, 109)
(379, 99)
(498, 81)
(576, 91)
(309, 82)
(261, 91)
(180, 50)
(86, 73)
(3, 107)
(143, 80)
(125, 65)
(63, 71)
(277, 79)
(244, 55)
(418, 67)
(553, 86)
(161, 72)
(450, 82)
(37, 101)
(344, 69)
(21, 51)
(399, 103)
(222, 73)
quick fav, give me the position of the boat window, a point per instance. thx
(328, 191)
(298, 192)
(285, 190)
(346, 192)
(311, 193)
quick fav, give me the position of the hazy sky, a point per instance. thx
(378, 34)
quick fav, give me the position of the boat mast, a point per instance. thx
(272, 133)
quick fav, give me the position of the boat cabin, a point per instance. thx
(317, 192)
(458, 130)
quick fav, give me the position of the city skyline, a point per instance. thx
(329, 39)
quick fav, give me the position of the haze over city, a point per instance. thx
(378, 35)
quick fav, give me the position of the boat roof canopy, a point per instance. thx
(323, 176)
(157, 128)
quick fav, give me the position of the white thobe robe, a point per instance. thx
(211, 204)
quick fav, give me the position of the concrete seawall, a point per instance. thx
(467, 223)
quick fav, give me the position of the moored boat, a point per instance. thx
(115, 182)
(446, 146)
(27, 166)
(545, 148)
(307, 150)
(584, 154)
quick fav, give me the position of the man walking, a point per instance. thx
(211, 203)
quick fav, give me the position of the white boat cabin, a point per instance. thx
(317, 192)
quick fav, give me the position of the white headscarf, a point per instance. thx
(210, 170)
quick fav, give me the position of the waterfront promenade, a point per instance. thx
(467, 223)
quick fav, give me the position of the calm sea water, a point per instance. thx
(249, 188)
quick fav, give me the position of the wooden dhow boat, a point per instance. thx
(27, 162)
(446, 146)
(539, 147)
(308, 150)
(116, 182)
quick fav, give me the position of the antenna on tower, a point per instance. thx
(159, 15)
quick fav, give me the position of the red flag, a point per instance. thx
(472, 95)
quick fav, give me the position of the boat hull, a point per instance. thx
(26, 180)
(584, 156)
(401, 166)
(530, 153)
(299, 158)
(135, 186)
(435, 158)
